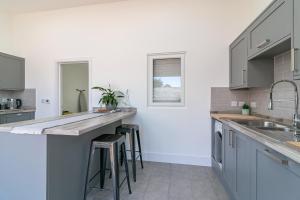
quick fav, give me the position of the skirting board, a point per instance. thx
(177, 159)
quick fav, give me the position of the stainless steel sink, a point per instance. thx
(273, 130)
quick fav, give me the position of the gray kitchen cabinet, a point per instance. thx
(277, 177)
(236, 169)
(229, 158)
(248, 74)
(243, 172)
(296, 41)
(272, 27)
(16, 117)
(238, 62)
(12, 76)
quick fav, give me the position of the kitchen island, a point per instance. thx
(51, 165)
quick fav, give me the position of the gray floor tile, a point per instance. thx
(162, 181)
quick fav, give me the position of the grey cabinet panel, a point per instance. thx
(229, 165)
(296, 42)
(248, 74)
(252, 171)
(238, 62)
(242, 167)
(16, 117)
(275, 180)
(273, 26)
(12, 76)
(236, 169)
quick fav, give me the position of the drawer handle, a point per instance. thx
(276, 159)
(19, 114)
(263, 44)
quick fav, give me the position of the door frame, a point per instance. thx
(72, 61)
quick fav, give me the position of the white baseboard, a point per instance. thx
(177, 159)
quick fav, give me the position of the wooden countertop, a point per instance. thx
(222, 116)
(75, 128)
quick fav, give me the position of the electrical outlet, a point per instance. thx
(45, 101)
(234, 103)
(253, 104)
(241, 103)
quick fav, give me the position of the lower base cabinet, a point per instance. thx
(252, 171)
(16, 117)
(277, 177)
(236, 169)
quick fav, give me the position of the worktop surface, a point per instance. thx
(72, 129)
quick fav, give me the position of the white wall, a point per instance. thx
(118, 36)
(5, 32)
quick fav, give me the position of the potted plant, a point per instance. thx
(246, 109)
(109, 97)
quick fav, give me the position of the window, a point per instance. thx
(166, 79)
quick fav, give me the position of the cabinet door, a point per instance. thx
(17, 117)
(272, 27)
(296, 48)
(242, 167)
(238, 62)
(277, 177)
(229, 158)
(12, 76)
(2, 119)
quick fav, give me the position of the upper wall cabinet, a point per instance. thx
(12, 72)
(244, 73)
(296, 41)
(271, 28)
(275, 31)
(238, 62)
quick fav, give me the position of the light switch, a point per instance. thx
(253, 104)
(45, 101)
(234, 103)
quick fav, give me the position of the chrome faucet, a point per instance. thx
(296, 118)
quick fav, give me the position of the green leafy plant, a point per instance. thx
(246, 106)
(109, 97)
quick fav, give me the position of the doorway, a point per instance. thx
(74, 87)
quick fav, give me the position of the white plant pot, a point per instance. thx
(245, 111)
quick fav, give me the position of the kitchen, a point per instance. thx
(198, 67)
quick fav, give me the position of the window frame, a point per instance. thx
(150, 59)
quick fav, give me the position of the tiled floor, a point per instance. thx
(161, 181)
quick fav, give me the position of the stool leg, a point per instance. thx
(132, 148)
(122, 154)
(126, 167)
(103, 158)
(90, 161)
(140, 148)
(115, 170)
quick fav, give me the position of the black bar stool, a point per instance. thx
(109, 142)
(132, 130)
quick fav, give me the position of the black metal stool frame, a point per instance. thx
(132, 130)
(114, 148)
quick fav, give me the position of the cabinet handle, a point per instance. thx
(263, 44)
(243, 75)
(231, 138)
(276, 159)
(229, 141)
(19, 114)
(293, 51)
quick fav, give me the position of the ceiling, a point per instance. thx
(21, 6)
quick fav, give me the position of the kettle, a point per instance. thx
(14, 103)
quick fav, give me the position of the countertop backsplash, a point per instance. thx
(221, 97)
(28, 97)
